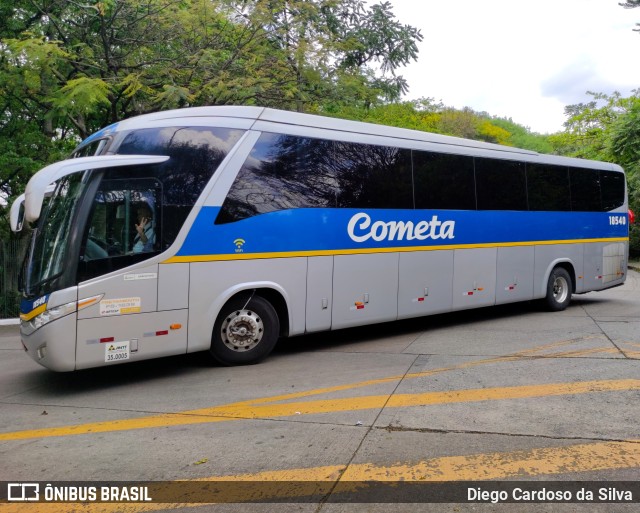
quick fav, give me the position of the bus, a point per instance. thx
(222, 229)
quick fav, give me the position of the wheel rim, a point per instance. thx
(242, 330)
(560, 289)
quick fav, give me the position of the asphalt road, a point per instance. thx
(500, 394)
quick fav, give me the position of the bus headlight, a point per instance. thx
(28, 327)
(51, 314)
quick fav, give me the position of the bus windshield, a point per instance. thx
(49, 244)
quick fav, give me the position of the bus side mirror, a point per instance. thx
(16, 215)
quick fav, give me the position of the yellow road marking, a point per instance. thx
(253, 411)
(547, 461)
(466, 365)
(578, 458)
(192, 417)
(586, 352)
(524, 463)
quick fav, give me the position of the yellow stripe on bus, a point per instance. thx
(33, 313)
(367, 251)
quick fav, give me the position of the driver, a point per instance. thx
(146, 236)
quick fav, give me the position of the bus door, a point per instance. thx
(118, 271)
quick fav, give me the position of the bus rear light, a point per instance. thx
(632, 217)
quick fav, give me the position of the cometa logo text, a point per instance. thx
(361, 229)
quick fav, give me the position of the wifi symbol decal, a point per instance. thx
(239, 243)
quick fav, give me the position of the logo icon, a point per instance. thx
(23, 492)
(239, 243)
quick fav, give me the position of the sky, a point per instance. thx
(521, 60)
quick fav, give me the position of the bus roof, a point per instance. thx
(262, 118)
(283, 117)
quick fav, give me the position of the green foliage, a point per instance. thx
(417, 115)
(522, 137)
(588, 126)
(430, 116)
(624, 137)
(607, 128)
(80, 96)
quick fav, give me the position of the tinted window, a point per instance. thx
(613, 189)
(195, 154)
(443, 181)
(138, 211)
(585, 190)
(91, 149)
(500, 185)
(548, 187)
(284, 172)
(372, 176)
(125, 223)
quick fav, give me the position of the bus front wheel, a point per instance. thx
(245, 332)
(559, 288)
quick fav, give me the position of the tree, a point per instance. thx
(588, 126)
(331, 48)
(607, 128)
(625, 147)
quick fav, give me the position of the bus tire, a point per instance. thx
(245, 332)
(559, 288)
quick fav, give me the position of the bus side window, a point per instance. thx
(548, 188)
(284, 172)
(124, 225)
(500, 184)
(613, 187)
(585, 190)
(443, 181)
(122, 221)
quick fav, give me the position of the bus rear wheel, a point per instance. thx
(245, 332)
(559, 288)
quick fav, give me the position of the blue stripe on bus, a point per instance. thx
(305, 230)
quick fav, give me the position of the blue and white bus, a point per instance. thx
(222, 229)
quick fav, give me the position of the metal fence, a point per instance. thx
(11, 256)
